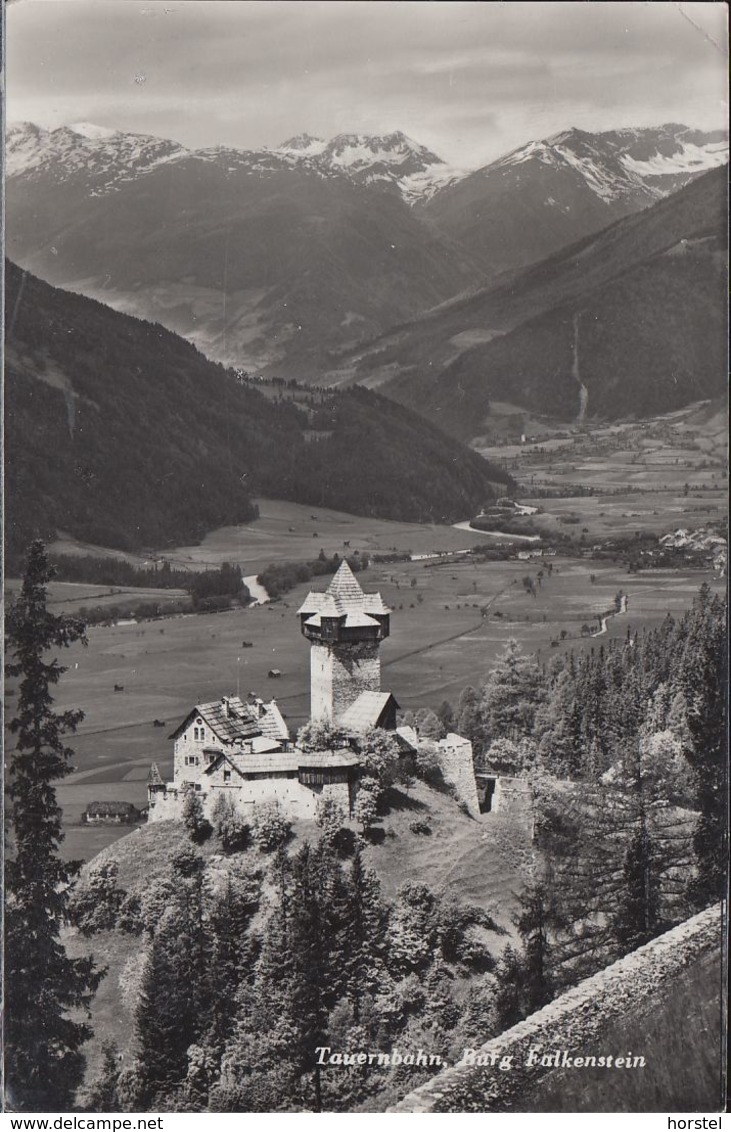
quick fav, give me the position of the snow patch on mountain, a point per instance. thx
(690, 159)
(91, 131)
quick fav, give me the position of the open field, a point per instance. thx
(70, 597)
(687, 447)
(297, 532)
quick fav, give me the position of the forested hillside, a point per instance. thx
(122, 434)
(625, 750)
(636, 314)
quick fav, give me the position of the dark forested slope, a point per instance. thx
(648, 295)
(122, 434)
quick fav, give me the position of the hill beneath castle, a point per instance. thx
(474, 861)
(122, 434)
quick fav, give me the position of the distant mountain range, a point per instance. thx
(122, 434)
(258, 258)
(636, 315)
(271, 259)
(548, 194)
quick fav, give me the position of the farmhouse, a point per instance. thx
(114, 813)
(244, 749)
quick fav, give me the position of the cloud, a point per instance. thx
(467, 78)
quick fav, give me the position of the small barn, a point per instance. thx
(111, 813)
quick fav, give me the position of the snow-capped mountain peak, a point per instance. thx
(304, 144)
(613, 164)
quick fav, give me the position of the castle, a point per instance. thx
(244, 748)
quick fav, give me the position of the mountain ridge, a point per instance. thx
(271, 260)
(651, 282)
(123, 434)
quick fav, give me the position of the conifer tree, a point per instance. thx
(514, 690)
(44, 1061)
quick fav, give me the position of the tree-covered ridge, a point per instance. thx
(624, 748)
(122, 434)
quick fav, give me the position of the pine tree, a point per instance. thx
(512, 695)
(44, 1062)
(175, 996)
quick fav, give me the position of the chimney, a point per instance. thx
(226, 706)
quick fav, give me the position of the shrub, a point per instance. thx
(329, 816)
(365, 811)
(381, 758)
(230, 825)
(97, 900)
(419, 825)
(427, 765)
(270, 829)
(194, 819)
(320, 735)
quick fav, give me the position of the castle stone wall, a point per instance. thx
(577, 1022)
(296, 799)
(455, 759)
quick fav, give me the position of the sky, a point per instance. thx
(470, 80)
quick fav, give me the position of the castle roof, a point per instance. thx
(154, 778)
(229, 718)
(366, 712)
(343, 597)
(272, 762)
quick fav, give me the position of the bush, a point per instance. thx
(365, 811)
(270, 829)
(428, 767)
(230, 825)
(381, 758)
(329, 816)
(419, 825)
(320, 735)
(194, 820)
(96, 901)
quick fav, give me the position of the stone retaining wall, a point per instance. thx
(575, 1022)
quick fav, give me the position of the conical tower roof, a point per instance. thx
(343, 596)
(154, 778)
(344, 588)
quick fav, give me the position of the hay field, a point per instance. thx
(294, 531)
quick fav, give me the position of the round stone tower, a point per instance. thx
(345, 627)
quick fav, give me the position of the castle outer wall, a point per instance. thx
(594, 1019)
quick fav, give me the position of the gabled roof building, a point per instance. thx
(244, 747)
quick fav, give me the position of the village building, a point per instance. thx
(244, 749)
(111, 813)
